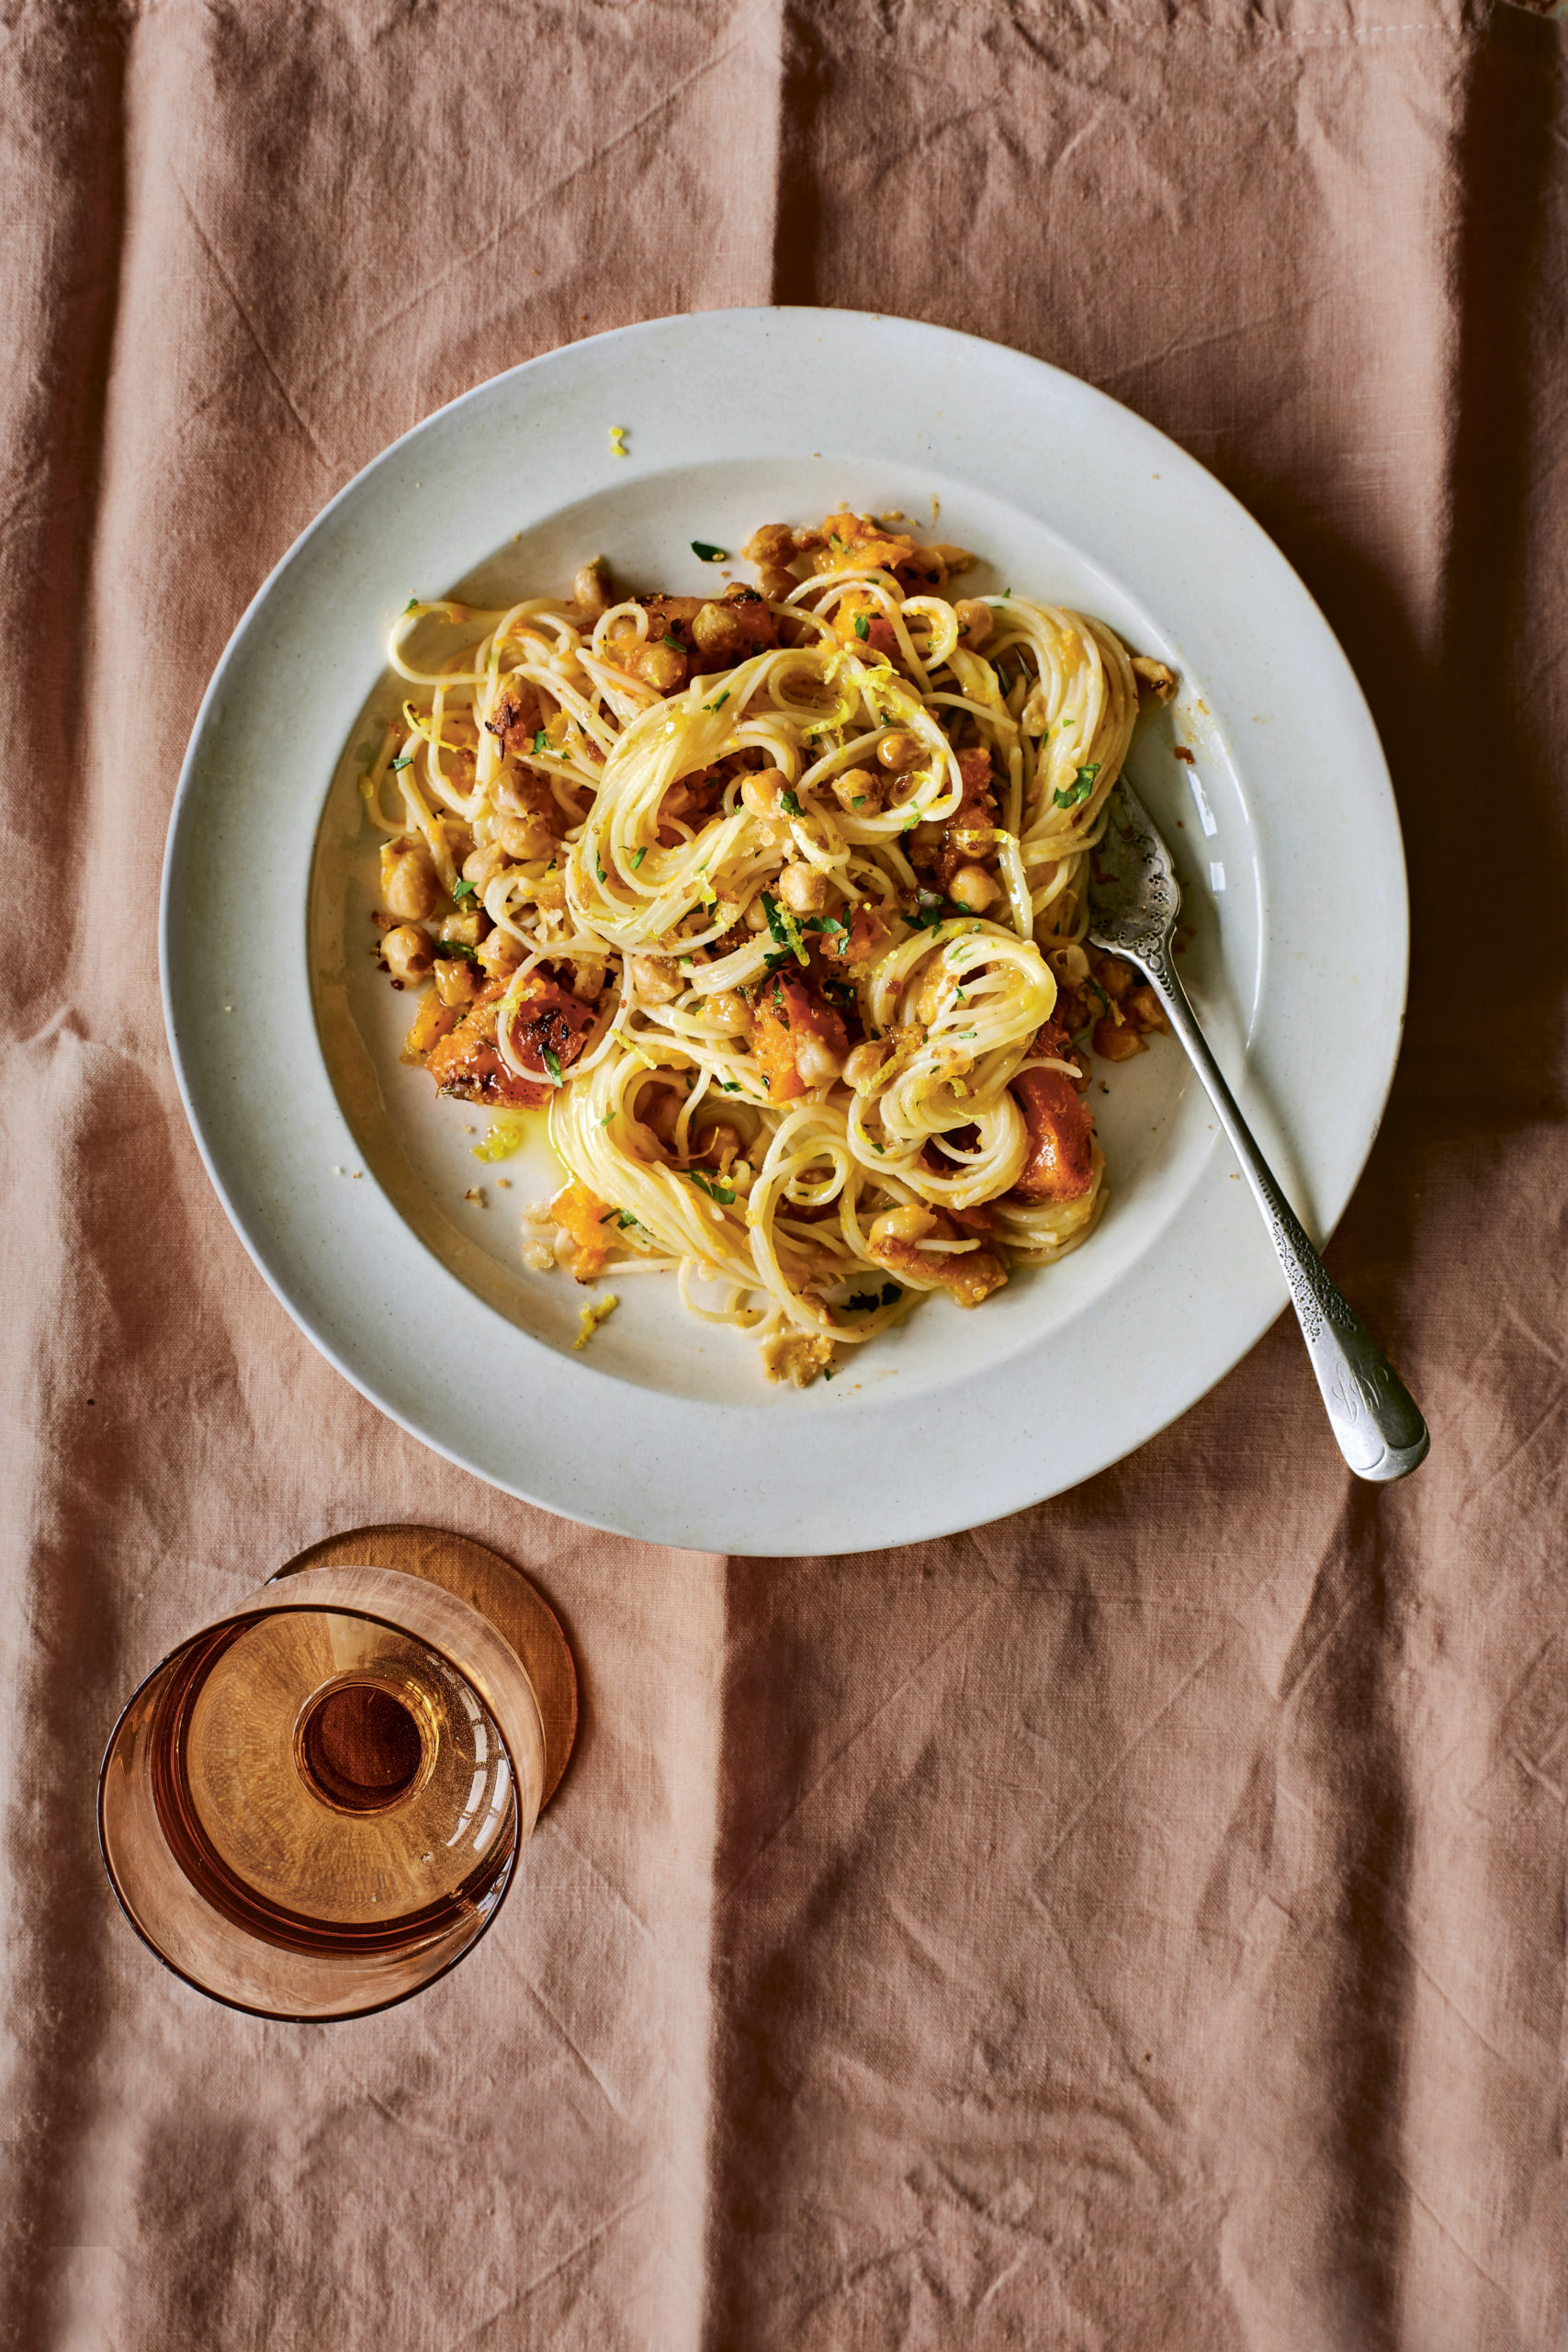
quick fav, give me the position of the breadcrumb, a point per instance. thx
(797, 1357)
(539, 1256)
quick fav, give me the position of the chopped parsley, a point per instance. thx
(857, 800)
(636, 858)
(599, 869)
(1080, 789)
(723, 1193)
(785, 928)
(789, 802)
(406, 762)
(823, 923)
(719, 701)
(462, 889)
(729, 1085)
(862, 627)
(668, 639)
(541, 742)
(552, 1063)
(412, 603)
(445, 949)
(709, 554)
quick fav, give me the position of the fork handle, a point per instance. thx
(1376, 1423)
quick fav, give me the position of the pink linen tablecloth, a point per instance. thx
(1140, 1922)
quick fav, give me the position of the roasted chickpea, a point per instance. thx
(522, 837)
(1117, 1042)
(898, 749)
(720, 1146)
(816, 1062)
(655, 979)
(973, 889)
(858, 792)
(499, 955)
(803, 890)
(717, 633)
(759, 790)
(466, 927)
(591, 588)
(408, 881)
(973, 623)
(770, 543)
(658, 666)
(910, 1224)
(865, 1061)
(729, 1006)
(406, 952)
(776, 584)
(482, 867)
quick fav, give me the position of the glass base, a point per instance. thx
(491, 1585)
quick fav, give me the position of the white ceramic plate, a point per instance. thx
(286, 1040)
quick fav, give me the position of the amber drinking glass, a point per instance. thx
(315, 1806)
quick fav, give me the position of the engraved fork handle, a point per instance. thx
(1376, 1423)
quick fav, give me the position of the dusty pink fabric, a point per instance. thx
(1139, 1923)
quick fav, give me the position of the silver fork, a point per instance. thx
(1133, 913)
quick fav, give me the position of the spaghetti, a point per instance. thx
(777, 901)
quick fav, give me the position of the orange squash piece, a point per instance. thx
(1060, 1166)
(783, 1011)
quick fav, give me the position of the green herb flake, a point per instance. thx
(785, 928)
(709, 554)
(789, 802)
(668, 639)
(636, 858)
(723, 1193)
(406, 762)
(541, 742)
(857, 800)
(862, 627)
(412, 603)
(462, 889)
(449, 949)
(599, 870)
(719, 702)
(1080, 789)
(729, 1086)
(548, 1056)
